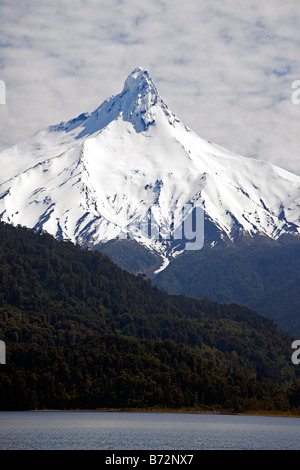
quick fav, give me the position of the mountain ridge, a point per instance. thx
(95, 178)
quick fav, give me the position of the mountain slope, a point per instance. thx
(95, 178)
(82, 333)
(263, 274)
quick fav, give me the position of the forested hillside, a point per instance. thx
(261, 273)
(82, 333)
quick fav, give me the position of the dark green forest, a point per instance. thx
(261, 273)
(82, 333)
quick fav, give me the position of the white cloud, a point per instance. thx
(224, 67)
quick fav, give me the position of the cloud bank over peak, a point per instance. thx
(224, 67)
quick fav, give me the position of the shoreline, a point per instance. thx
(263, 413)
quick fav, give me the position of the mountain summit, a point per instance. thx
(96, 177)
(138, 103)
(138, 99)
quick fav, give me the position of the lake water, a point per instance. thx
(89, 430)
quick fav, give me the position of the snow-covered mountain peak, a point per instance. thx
(89, 178)
(140, 82)
(137, 103)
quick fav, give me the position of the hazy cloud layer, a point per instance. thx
(225, 67)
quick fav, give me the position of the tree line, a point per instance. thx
(83, 333)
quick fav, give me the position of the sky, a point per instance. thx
(225, 67)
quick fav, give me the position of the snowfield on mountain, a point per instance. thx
(95, 178)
